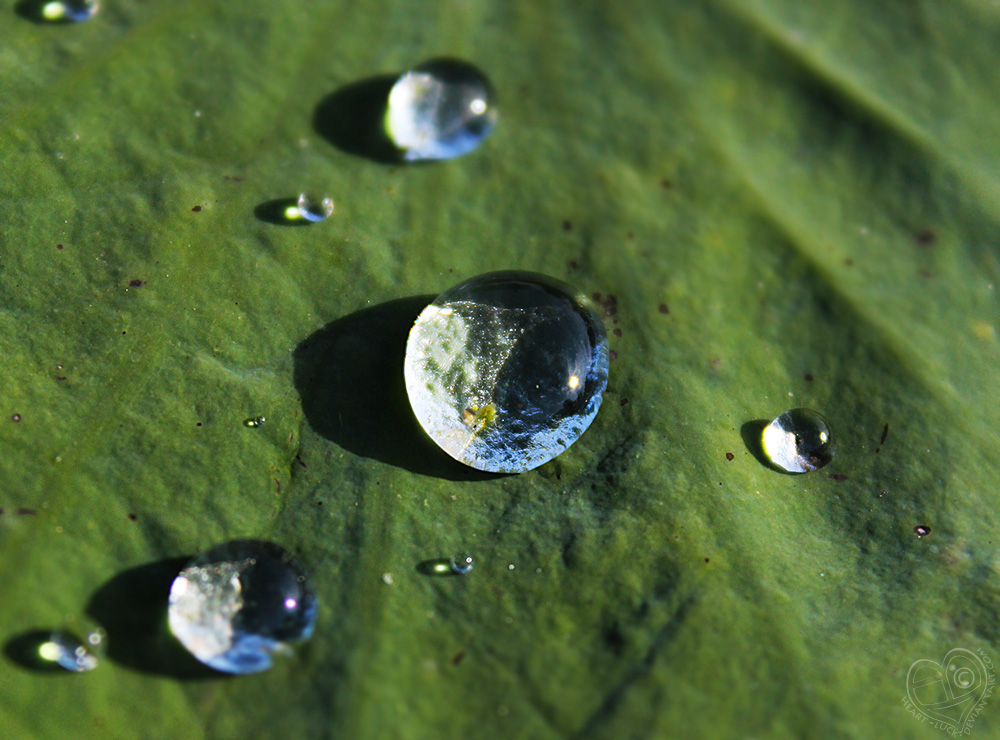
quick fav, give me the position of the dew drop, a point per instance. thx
(506, 370)
(254, 421)
(439, 110)
(238, 604)
(67, 11)
(72, 654)
(798, 441)
(921, 530)
(311, 207)
(462, 564)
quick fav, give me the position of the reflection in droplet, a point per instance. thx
(254, 421)
(798, 441)
(312, 208)
(439, 110)
(921, 530)
(68, 11)
(71, 653)
(238, 604)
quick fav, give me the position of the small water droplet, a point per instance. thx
(67, 11)
(921, 530)
(312, 208)
(254, 421)
(506, 370)
(462, 564)
(68, 652)
(439, 110)
(238, 604)
(798, 441)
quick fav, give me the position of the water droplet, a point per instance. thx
(64, 11)
(506, 370)
(921, 530)
(238, 604)
(254, 421)
(71, 653)
(312, 208)
(798, 441)
(462, 564)
(442, 109)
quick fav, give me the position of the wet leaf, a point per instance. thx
(780, 204)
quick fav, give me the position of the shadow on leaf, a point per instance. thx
(132, 608)
(350, 377)
(752, 433)
(353, 119)
(23, 650)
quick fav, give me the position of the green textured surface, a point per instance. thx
(811, 188)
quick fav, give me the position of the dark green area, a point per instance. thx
(809, 189)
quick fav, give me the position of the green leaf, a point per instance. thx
(794, 204)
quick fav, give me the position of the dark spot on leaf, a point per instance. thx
(616, 332)
(885, 433)
(925, 273)
(837, 476)
(596, 297)
(319, 503)
(232, 178)
(458, 658)
(926, 237)
(666, 184)
(882, 493)
(26, 512)
(630, 235)
(567, 225)
(59, 246)
(808, 377)
(662, 308)
(133, 517)
(573, 264)
(706, 560)
(613, 355)
(298, 459)
(624, 402)
(198, 424)
(60, 377)
(196, 209)
(730, 456)
(136, 283)
(849, 262)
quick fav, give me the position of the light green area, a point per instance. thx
(811, 188)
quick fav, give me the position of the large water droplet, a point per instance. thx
(798, 441)
(67, 11)
(506, 370)
(313, 208)
(442, 109)
(68, 652)
(239, 603)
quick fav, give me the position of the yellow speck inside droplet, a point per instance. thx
(574, 382)
(479, 418)
(292, 213)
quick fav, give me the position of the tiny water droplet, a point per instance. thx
(921, 530)
(312, 208)
(71, 653)
(254, 421)
(462, 564)
(441, 109)
(238, 604)
(798, 441)
(68, 11)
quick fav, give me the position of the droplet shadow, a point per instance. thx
(349, 375)
(132, 608)
(23, 651)
(752, 433)
(352, 118)
(439, 567)
(275, 212)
